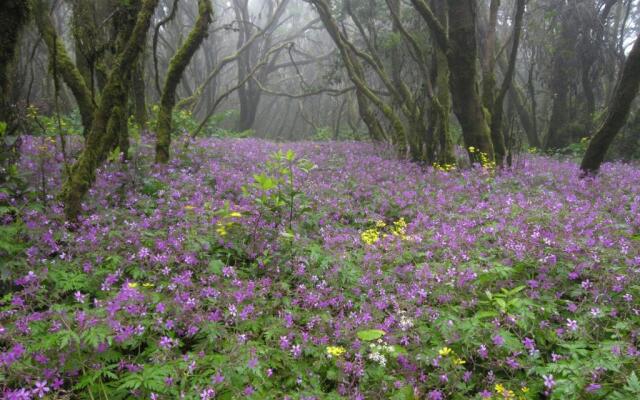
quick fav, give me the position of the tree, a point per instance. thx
(176, 68)
(459, 43)
(14, 15)
(617, 113)
(64, 66)
(104, 134)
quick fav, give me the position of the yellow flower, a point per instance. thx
(458, 361)
(445, 351)
(524, 389)
(235, 214)
(472, 149)
(401, 223)
(147, 285)
(222, 231)
(132, 285)
(370, 236)
(336, 351)
(499, 388)
(189, 208)
(380, 224)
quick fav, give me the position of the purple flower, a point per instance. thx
(296, 351)
(435, 395)
(248, 391)
(529, 343)
(593, 387)
(80, 298)
(41, 388)
(549, 383)
(483, 352)
(207, 394)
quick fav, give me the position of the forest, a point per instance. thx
(319, 199)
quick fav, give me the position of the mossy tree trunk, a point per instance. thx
(69, 72)
(442, 100)
(356, 73)
(101, 139)
(558, 135)
(14, 15)
(626, 90)
(497, 110)
(442, 110)
(138, 93)
(462, 57)
(460, 45)
(489, 84)
(176, 68)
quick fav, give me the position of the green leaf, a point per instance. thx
(633, 384)
(290, 156)
(215, 266)
(370, 334)
(406, 393)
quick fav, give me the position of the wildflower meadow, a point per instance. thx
(246, 269)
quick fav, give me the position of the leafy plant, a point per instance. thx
(276, 191)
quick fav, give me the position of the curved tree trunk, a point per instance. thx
(626, 90)
(176, 67)
(64, 66)
(101, 139)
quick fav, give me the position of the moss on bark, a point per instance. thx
(14, 15)
(462, 57)
(176, 68)
(63, 64)
(101, 139)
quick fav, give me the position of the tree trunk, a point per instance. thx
(138, 92)
(442, 100)
(462, 57)
(356, 73)
(64, 66)
(626, 90)
(176, 67)
(100, 139)
(497, 111)
(557, 134)
(516, 98)
(14, 15)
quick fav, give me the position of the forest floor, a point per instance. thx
(329, 271)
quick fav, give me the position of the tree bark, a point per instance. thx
(177, 66)
(64, 66)
(101, 139)
(14, 15)
(462, 57)
(497, 111)
(626, 90)
(563, 60)
(139, 98)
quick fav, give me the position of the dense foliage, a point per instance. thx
(248, 269)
